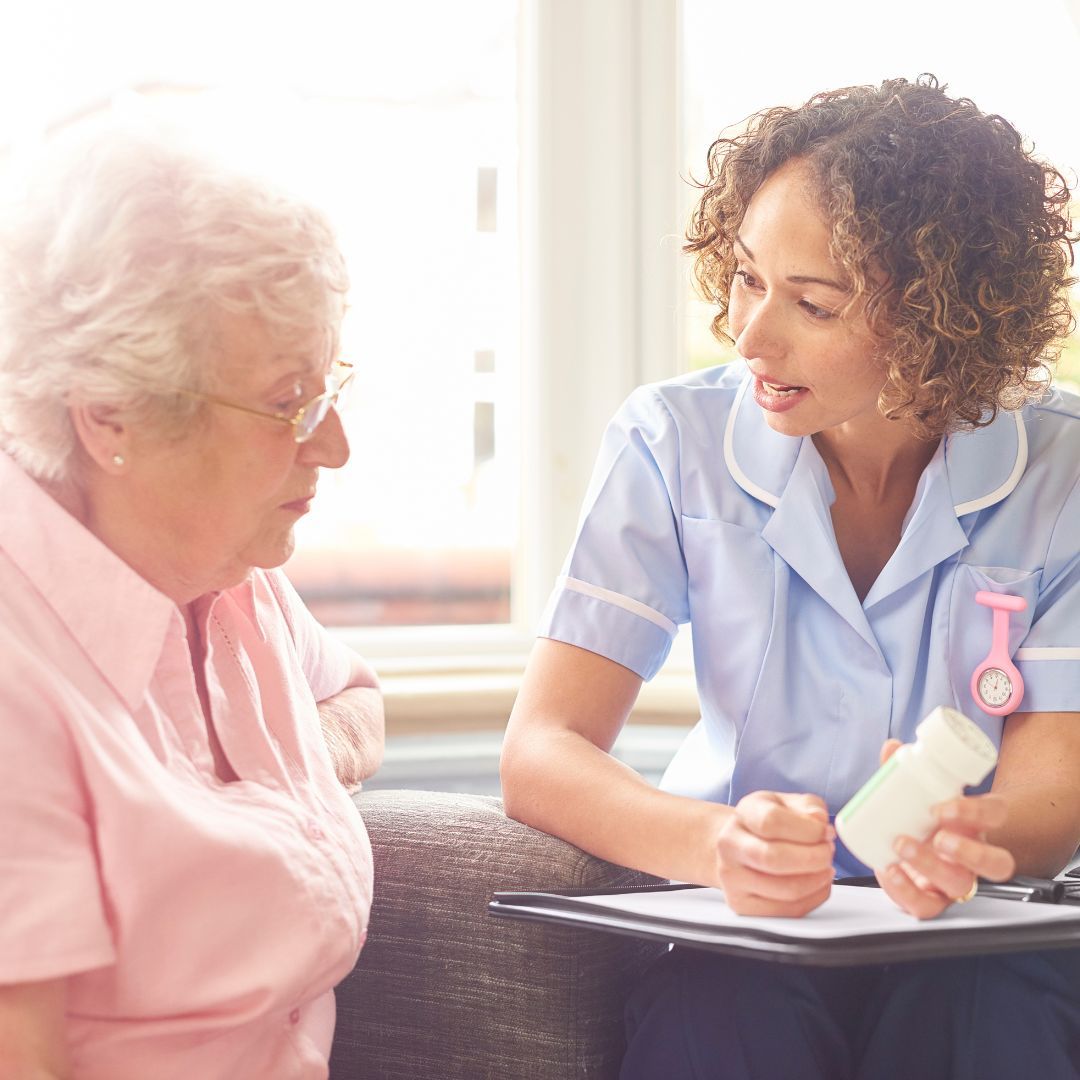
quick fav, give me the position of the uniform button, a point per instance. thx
(314, 831)
(294, 1016)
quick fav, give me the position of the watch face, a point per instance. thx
(995, 687)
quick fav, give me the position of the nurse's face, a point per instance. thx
(814, 369)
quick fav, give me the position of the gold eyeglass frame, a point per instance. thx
(294, 421)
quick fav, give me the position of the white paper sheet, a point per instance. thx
(849, 911)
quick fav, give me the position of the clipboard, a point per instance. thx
(856, 925)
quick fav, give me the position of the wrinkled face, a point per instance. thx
(225, 497)
(814, 368)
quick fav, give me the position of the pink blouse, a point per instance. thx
(201, 925)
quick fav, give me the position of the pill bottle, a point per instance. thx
(949, 753)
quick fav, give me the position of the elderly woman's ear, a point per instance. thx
(103, 436)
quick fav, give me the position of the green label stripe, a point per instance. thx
(868, 788)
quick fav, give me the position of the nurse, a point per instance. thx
(892, 266)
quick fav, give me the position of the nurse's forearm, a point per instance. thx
(559, 782)
(354, 729)
(1040, 830)
(1038, 763)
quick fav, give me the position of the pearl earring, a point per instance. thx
(118, 460)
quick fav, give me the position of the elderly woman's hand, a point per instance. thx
(944, 869)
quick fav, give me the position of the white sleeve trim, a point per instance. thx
(1047, 654)
(635, 607)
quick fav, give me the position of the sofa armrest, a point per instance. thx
(444, 990)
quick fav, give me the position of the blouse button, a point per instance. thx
(294, 1016)
(314, 831)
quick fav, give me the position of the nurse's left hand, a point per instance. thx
(931, 875)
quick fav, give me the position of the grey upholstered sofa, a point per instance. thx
(444, 990)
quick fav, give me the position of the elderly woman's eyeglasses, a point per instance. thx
(308, 417)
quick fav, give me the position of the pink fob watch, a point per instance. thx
(996, 685)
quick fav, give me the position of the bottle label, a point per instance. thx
(868, 788)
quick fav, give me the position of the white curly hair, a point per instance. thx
(115, 262)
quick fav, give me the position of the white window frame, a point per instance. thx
(601, 313)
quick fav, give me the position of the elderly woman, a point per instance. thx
(892, 266)
(184, 877)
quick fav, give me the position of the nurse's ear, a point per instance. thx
(103, 435)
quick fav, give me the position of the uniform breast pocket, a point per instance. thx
(971, 624)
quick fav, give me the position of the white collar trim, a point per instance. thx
(1019, 465)
(772, 499)
(741, 478)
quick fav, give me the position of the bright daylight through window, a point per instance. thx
(400, 120)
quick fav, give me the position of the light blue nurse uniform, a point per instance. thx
(699, 512)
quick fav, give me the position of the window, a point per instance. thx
(422, 526)
(401, 121)
(505, 179)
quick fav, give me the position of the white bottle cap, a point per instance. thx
(958, 743)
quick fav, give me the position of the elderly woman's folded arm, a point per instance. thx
(354, 726)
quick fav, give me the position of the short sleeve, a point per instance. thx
(1049, 656)
(327, 662)
(623, 591)
(52, 910)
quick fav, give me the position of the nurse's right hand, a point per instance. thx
(775, 853)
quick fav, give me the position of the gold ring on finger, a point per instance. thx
(970, 894)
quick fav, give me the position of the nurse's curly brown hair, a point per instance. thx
(955, 235)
